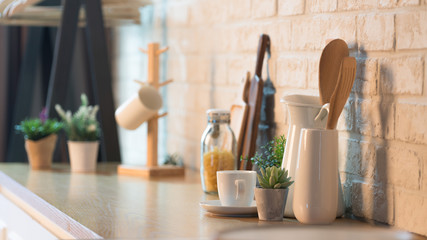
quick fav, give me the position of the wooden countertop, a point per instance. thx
(116, 206)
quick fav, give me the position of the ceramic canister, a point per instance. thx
(315, 191)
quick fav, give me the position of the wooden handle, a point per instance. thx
(161, 115)
(165, 83)
(264, 42)
(143, 50)
(160, 51)
(246, 87)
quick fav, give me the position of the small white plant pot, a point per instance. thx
(40, 152)
(271, 203)
(83, 155)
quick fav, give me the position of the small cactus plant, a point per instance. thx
(274, 178)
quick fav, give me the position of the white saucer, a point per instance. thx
(214, 207)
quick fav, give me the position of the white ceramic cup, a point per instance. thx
(139, 108)
(236, 187)
(315, 190)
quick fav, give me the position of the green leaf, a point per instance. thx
(262, 172)
(282, 177)
(275, 174)
(272, 181)
(263, 182)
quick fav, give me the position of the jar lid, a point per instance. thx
(218, 116)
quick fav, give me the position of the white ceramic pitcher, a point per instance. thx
(303, 112)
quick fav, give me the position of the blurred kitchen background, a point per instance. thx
(383, 131)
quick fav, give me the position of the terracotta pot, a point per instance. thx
(271, 203)
(40, 152)
(83, 155)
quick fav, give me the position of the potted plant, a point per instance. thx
(83, 132)
(40, 139)
(271, 196)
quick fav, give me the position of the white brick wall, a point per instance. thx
(411, 123)
(291, 7)
(316, 6)
(383, 128)
(375, 32)
(402, 75)
(416, 36)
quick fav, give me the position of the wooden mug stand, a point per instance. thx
(152, 169)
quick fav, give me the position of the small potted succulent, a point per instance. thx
(40, 139)
(83, 132)
(271, 197)
(272, 192)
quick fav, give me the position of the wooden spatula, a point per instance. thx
(329, 68)
(342, 91)
(254, 102)
(239, 114)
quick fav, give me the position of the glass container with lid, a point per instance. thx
(218, 148)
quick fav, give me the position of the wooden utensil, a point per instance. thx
(329, 67)
(342, 91)
(239, 114)
(254, 103)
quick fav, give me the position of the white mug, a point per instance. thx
(315, 191)
(236, 187)
(139, 108)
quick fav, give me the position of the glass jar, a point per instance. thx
(218, 148)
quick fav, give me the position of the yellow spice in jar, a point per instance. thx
(213, 161)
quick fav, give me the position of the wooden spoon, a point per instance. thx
(329, 67)
(342, 91)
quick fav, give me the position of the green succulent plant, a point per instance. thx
(274, 178)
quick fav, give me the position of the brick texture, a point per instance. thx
(411, 211)
(346, 120)
(413, 37)
(373, 201)
(322, 5)
(383, 128)
(238, 9)
(313, 72)
(375, 32)
(344, 5)
(402, 75)
(318, 29)
(375, 118)
(290, 7)
(264, 8)
(366, 81)
(411, 123)
(400, 167)
(292, 72)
